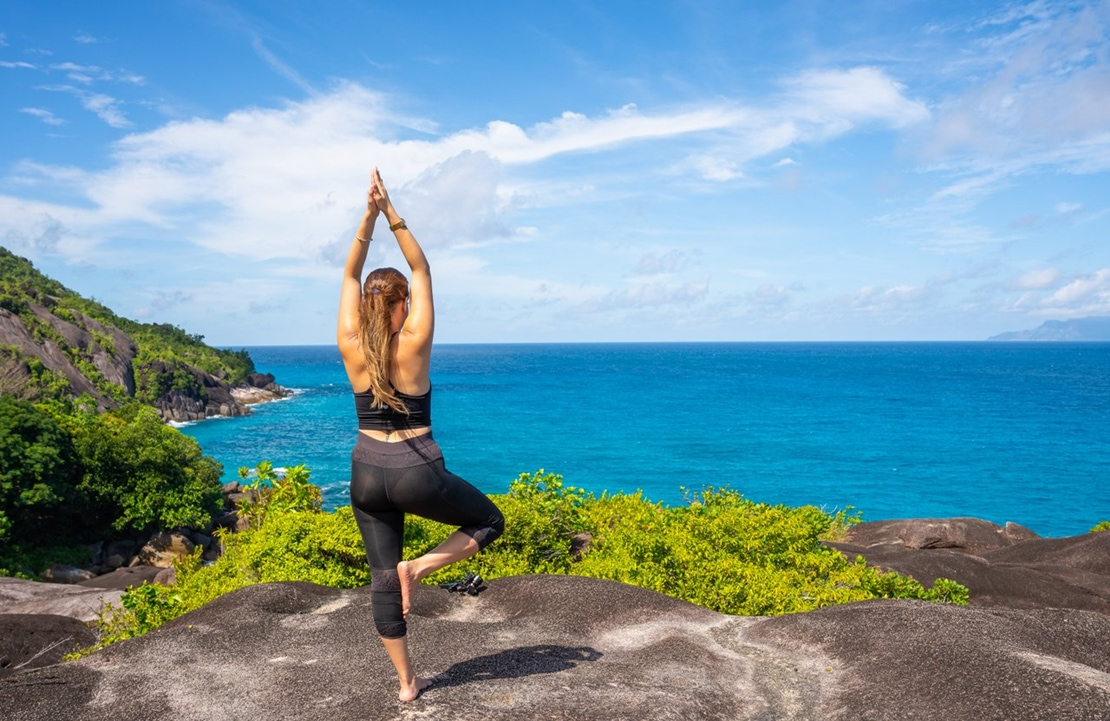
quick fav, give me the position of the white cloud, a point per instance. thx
(833, 98)
(88, 74)
(19, 64)
(262, 174)
(84, 38)
(1084, 291)
(75, 68)
(281, 68)
(104, 106)
(676, 297)
(874, 298)
(286, 186)
(769, 297)
(44, 115)
(670, 262)
(1045, 94)
(716, 168)
(1038, 279)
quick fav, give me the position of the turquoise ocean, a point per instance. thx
(1001, 431)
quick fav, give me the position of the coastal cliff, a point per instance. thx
(56, 344)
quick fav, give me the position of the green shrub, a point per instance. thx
(291, 541)
(720, 551)
(36, 472)
(1101, 526)
(138, 473)
(541, 516)
(280, 493)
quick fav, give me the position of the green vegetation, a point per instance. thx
(36, 468)
(161, 349)
(1101, 526)
(70, 476)
(719, 550)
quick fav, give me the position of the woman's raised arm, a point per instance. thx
(420, 324)
(347, 332)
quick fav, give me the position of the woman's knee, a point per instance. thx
(385, 602)
(488, 531)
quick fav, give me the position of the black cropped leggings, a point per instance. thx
(389, 480)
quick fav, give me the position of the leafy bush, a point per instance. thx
(542, 515)
(720, 551)
(138, 473)
(36, 470)
(290, 539)
(1101, 526)
(267, 490)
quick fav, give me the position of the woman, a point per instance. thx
(385, 339)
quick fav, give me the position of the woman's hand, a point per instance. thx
(372, 207)
(379, 195)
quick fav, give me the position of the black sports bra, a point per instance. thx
(386, 418)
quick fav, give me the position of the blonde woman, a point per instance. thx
(385, 339)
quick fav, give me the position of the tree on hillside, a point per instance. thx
(141, 474)
(37, 463)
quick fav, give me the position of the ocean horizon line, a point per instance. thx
(495, 344)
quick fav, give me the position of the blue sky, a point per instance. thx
(577, 171)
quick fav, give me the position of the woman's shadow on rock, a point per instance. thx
(516, 662)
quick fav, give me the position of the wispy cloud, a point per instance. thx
(104, 106)
(1037, 279)
(280, 67)
(298, 153)
(84, 38)
(1043, 100)
(16, 64)
(44, 115)
(1085, 295)
(88, 74)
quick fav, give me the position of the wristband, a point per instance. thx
(399, 225)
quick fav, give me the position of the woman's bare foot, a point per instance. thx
(411, 692)
(408, 583)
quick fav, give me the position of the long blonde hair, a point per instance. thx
(384, 288)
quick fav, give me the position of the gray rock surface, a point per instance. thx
(998, 568)
(557, 647)
(30, 641)
(78, 601)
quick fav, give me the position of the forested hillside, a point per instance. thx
(57, 345)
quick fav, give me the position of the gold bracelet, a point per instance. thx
(399, 225)
(360, 239)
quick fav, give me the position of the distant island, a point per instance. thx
(1095, 328)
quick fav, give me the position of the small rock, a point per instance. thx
(59, 573)
(165, 548)
(166, 577)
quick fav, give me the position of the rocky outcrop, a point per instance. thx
(109, 350)
(564, 647)
(43, 338)
(259, 388)
(35, 640)
(79, 601)
(196, 395)
(1001, 565)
